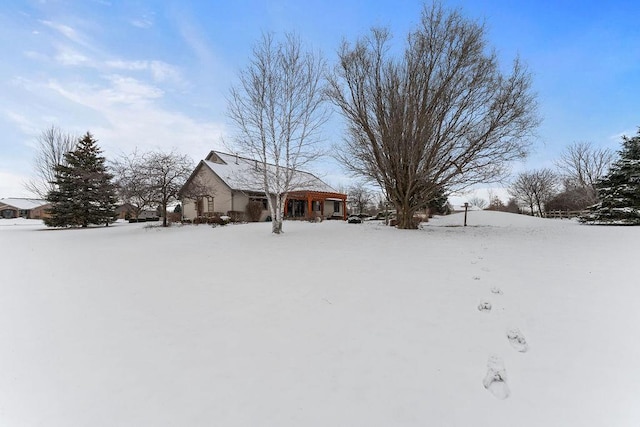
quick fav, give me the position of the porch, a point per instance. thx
(315, 204)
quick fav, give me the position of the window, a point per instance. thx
(336, 207)
(210, 204)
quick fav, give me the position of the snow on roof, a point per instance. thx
(23, 204)
(237, 173)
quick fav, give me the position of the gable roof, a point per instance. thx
(23, 204)
(234, 171)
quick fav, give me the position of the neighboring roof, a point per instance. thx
(237, 171)
(23, 204)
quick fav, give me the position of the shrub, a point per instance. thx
(254, 211)
(235, 216)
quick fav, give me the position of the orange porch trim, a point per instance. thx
(319, 196)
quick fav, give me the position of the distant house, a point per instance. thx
(228, 184)
(127, 210)
(23, 208)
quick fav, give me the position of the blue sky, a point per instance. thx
(155, 74)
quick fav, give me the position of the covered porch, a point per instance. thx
(315, 204)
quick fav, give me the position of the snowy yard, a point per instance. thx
(512, 321)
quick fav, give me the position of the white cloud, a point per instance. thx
(37, 56)
(160, 71)
(120, 64)
(66, 31)
(195, 39)
(132, 117)
(143, 23)
(129, 91)
(24, 124)
(618, 136)
(66, 55)
(12, 185)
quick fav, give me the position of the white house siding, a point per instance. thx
(222, 195)
(329, 208)
(241, 200)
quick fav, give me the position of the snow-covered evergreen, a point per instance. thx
(619, 190)
(83, 193)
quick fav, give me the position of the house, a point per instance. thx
(24, 208)
(226, 183)
(127, 211)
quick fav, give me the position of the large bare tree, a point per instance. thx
(152, 179)
(583, 165)
(360, 196)
(278, 111)
(166, 173)
(132, 183)
(441, 115)
(535, 189)
(52, 145)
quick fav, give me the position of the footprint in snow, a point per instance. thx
(517, 340)
(496, 379)
(496, 290)
(476, 277)
(484, 306)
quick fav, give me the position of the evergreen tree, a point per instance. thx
(619, 190)
(83, 193)
(439, 205)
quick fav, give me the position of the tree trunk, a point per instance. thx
(278, 215)
(405, 218)
(164, 217)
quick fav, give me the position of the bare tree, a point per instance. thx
(583, 165)
(442, 115)
(534, 189)
(496, 204)
(479, 202)
(52, 145)
(278, 110)
(522, 190)
(360, 195)
(153, 179)
(132, 184)
(166, 174)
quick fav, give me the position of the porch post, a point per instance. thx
(309, 212)
(344, 209)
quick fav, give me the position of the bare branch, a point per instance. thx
(52, 145)
(278, 109)
(152, 179)
(535, 189)
(442, 116)
(582, 166)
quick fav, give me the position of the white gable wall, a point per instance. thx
(221, 193)
(224, 199)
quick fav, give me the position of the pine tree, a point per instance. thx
(619, 190)
(83, 193)
(439, 205)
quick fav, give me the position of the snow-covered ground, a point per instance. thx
(511, 321)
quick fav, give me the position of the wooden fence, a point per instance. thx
(563, 214)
